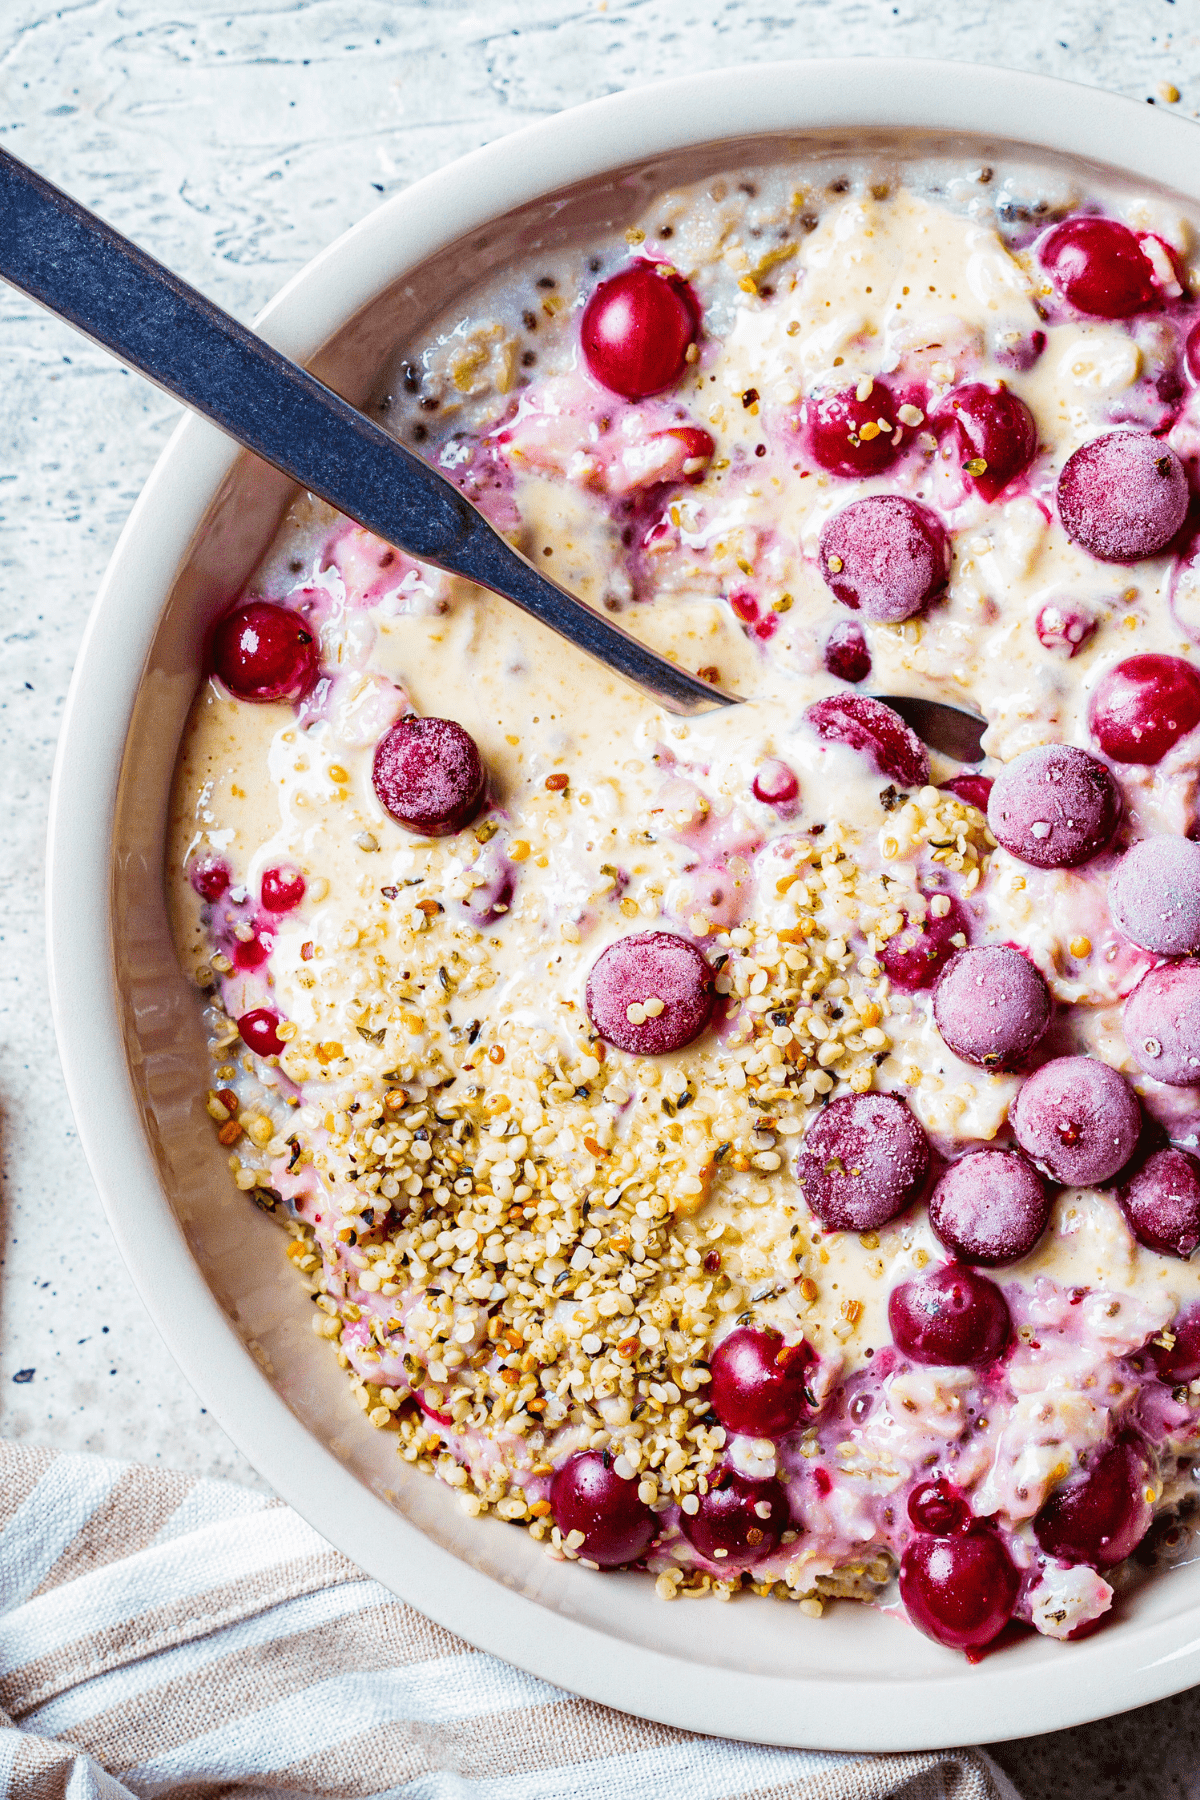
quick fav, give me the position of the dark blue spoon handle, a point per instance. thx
(74, 264)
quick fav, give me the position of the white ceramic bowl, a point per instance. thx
(207, 1265)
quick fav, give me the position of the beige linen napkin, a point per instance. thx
(163, 1635)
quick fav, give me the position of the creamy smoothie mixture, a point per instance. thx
(752, 1148)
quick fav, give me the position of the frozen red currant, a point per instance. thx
(853, 437)
(994, 432)
(1180, 1360)
(775, 784)
(760, 1383)
(1143, 706)
(1098, 266)
(959, 1590)
(846, 653)
(876, 731)
(1154, 895)
(282, 888)
(990, 1207)
(913, 956)
(587, 1495)
(265, 652)
(940, 1508)
(1101, 1514)
(738, 1521)
(1054, 807)
(864, 1159)
(991, 1005)
(1064, 626)
(209, 875)
(976, 790)
(1161, 1023)
(429, 776)
(650, 993)
(259, 1031)
(1123, 496)
(1162, 1203)
(950, 1316)
(884, 556)
(637, 329)
(1078, 1118)
(1191, 352)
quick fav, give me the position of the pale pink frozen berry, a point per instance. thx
(1078, 1118)
(885, 556)
(1055, 806)
(1161, 1022)
(864, 1160)
(1123, 496)
(990, 1207)
(991, 1005)
(775, 783)
(650, 993)
(429, 776)
(1162, 1203)
(1154, 895)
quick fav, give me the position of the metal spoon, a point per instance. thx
(75, 265)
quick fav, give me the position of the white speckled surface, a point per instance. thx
(234, 138)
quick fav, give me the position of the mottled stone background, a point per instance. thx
(234, 138)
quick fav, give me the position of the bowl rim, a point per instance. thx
(1130, 1665)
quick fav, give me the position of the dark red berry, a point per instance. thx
(259, 1031)
(864, 1159)
(960, 1590)
(265, 652)
(588, 1495)
(1191, 352)
(939, 1508)
(1101, 1513)
(1123, 496)
(282, 889)
(990, 1207)
(974, 789)
(873, 729)
(738, 1521)
(759, 1382)
(429, 776)
(1161, 1022)
(1143, 706)
(835, 433)
(637, 329)
(1180, 1361)
(951, 1317)
(995, 437)
(884, 556)
(775, 784)
(1099, 267)
(1162, 1203)
(1154, 895)
(991, 1005)
(913, 957)
(1078, 1118)
(663, 980)
(846, 654)
(1054, 807)
(209, 876)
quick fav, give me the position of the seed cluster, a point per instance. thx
(540, 1236)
